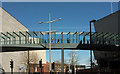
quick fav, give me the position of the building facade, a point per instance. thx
(106, 59)
(9, 24)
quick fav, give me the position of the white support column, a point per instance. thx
(62, 60)
(49, 43)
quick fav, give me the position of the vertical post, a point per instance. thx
(84, 39)
(55, 37)
(73, 38)
(74, 63)
(4, 40)
(14, 42)
(0, 39)
(19, 38)
(40, 65)
(43, 40)
(11, 66)
(28, 38)
(33, 39)
(10, 40)
(62, 61)
(62, 38)
(90, 33)
(91, 42)
(40, 38)
(91, 46)
(69, 67)
(25, 38)
(79, 38)
(70, 38)
(37, 39)
(41, 70)
(11, 70)
(48, 37)
(28, 63)
(76, 38)
(49, 43)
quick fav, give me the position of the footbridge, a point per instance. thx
(22, 41)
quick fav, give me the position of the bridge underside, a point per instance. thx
(97, 47)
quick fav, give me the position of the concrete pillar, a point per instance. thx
(62, 60)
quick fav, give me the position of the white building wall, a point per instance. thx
(10, 24)
(0, 31)
(20, 59)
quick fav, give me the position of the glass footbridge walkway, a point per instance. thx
(20, 41)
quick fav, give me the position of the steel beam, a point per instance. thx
(11, 35)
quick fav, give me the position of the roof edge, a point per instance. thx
(14, 18)
(108, 15)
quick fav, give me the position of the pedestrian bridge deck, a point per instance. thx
(25, 47)
(19, 41)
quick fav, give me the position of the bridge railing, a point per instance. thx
(106, 38)
(58, 37)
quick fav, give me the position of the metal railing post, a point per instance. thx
(48, 37)
(62, 37)
(73, 38)
(76, 38)
(55, 36)
(70, 38)
(33, 39)
(19, 38)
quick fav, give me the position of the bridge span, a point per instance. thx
(22, 41)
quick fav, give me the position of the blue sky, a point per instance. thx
(75, 17)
